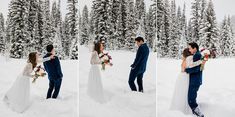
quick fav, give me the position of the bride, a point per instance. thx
(180, 95)
(18, 96)
(95, 87)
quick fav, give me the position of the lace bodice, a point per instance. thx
(95, 58)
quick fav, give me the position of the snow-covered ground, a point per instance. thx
(65, 106)
(216, 96)
(121, 101)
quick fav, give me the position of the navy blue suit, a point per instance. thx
(55, 75)
(138, 67)
(195, 81)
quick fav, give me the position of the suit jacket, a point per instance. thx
(140, 62)
(53, 67)
(195, 73)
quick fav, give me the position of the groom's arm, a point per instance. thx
(193, 70)
(58, 67)
(138, 58)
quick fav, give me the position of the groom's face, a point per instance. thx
(138, 43)
(53, 51)
(192, 50)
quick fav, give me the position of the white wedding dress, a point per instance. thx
(18, 96)
(95, 87)
(180, 95)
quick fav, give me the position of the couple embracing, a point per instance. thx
(189, 82)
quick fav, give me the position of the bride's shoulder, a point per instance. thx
(189, 57)
(28, 64)
(94, 52)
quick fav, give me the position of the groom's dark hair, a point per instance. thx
(49, 48)
(139, 39)
(194, 45)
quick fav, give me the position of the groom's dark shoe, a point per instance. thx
(142, 91)
(197, 112)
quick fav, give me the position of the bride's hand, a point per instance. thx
(52, 56)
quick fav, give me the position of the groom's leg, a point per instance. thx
(192, 96)
(51, 87)
(131, 81)
(57, 88)
(140, 82)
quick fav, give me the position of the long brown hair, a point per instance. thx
(97, 47)
(32, 59)
(186, 53)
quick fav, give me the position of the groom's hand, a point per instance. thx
(132, 66)
(52, 57)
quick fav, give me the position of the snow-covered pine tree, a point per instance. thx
(91, 26)
(226, 38)
(211, 31)
(47, 26)
(58, 44)
(151, 26)
(130, 27)
(17, 27)
(65, 37)
(84, 27)
(2, 34)
(72, 20)
(189, 33)
(54, 23)
(154, 24)
(31, 22)
(183, 31)
(184, 23)
(59, 22)
(203, 24)
(122, 24)
(174, 38)
(225, 41)
(163, 23)
(101, 22)
(195, 19)
(38, 27)
(231, 35)
(74, 51)
(139, 13)
(114, 10)
(160, 27)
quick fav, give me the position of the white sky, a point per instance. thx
(222, 7)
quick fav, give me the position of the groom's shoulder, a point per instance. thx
(197, 55)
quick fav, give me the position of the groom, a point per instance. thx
(195, 80)
(139, 66)
(55, 74)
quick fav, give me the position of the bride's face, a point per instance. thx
(101, 47)
(37, 57)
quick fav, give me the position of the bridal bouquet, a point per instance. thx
(105, 60)
(205, 56)
(38, 72)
